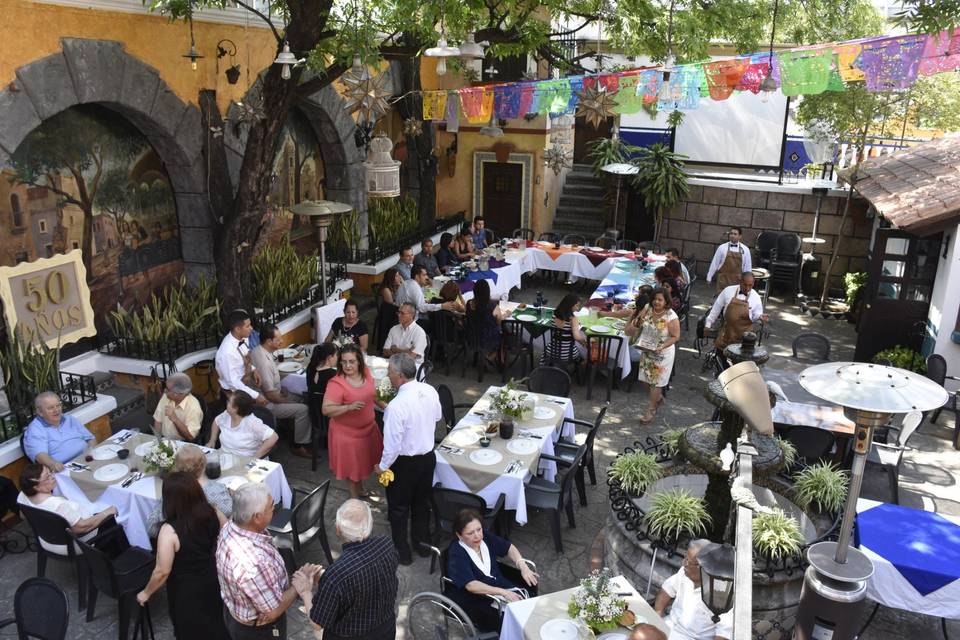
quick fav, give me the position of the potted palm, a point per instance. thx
(660, 180)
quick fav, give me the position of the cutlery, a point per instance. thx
(76, 466)
(133, 477)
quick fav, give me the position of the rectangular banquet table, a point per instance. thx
(579, 262)
(624, 279)
(502, 279)
(524, 620)
(457, 470)
(136, 501)
(296, 382)
(827, 418)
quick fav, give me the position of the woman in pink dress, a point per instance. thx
(354, 441)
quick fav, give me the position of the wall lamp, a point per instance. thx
(227, 47)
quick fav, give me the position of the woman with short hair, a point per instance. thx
(240, 431)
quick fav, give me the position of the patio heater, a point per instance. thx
(834, 586)
(809, 261)
(620, 169)
(322, 212)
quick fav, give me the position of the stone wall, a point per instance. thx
(697, 225)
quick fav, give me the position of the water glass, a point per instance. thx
(212, 469)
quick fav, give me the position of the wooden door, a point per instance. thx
(584, 133)
(502, 196)
(901, 274)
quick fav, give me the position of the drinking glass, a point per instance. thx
(212, 468)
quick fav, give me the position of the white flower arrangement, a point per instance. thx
(343, 339)
(160, 456)
(385, 390)
(595, 602)
(508, 402)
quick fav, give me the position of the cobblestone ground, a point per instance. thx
(929, 480)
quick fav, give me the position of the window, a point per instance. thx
(43, 226)
(16, 215)
(49, 248)
(76, 245)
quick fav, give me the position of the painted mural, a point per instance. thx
(88, 179)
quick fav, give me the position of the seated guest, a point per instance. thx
(322, 367)
(674, 254)
(406, 336)
(186, 561)
(566, 325)
(411, 292)
(689, 618)
(666, 281)
(463, 247)
(472, 567)
(282, 404)
(445, 255)
(356, 594)
(350, 326)
(388, 288)
(426, 258)
(646, 631)
(54, 437)
(676, 270)
(484, 317)
(404, 263)
(240, 432)
(190, 460)
(623, 311)
(479, 236)
(178, 414)
(37, 484)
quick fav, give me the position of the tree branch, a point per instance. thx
(314, 84)
(558, 34)
(276, 34)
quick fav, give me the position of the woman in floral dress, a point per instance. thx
(660, 322)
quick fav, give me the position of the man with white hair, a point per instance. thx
(54, 437)
(356, 594)
(253, 578)
(689, 618)
(178, 415)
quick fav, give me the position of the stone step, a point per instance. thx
(128, 399)
(594, 214)
(578, 178)
(585, 189)
(580, 201)
(103, 380)
(580, 167)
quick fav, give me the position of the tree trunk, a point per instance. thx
(421, 165)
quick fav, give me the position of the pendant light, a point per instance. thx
(287, 60)
(192, 54)
(491, 129)
(768, 85)
(441, 52)
(666, 94)
(471, 49)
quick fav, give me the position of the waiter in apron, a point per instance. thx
(739, 306)
(729, 261)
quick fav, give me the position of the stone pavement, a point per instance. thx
(929, 479)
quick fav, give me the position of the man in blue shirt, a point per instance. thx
(479, 233)
(53, 437)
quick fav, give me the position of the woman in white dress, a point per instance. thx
(657, 330)
(240, 431)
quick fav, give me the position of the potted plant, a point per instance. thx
(604, 151)
(280, 274)
(635, 471)
(28, 369)
(661, 181)
(674, 514)
(903, 358)
(823, 485)
(671, 441)
(776, 535)
(789, 451)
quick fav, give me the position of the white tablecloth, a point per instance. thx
(135, 502)
(296, 383)
(508, 277)
(511, 486)
(573, 262)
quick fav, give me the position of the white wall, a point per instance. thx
(945, 302)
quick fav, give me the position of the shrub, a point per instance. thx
(823, 485)
(635, 471)
(676, 513)
(903, 358)
(776, 535)
(280, 274)
(177, 310)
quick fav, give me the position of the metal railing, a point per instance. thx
(163, 351)
(75, 389)
(373, 255)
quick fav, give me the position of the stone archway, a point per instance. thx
(102, 72)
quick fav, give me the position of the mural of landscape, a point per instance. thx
(87, 179)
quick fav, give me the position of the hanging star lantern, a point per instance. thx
(557, 158)
(595, 106)
(412, 127)
(366, 94)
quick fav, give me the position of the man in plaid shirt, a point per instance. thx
(253, 578)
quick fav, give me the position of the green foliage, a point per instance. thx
(823, 485)
(280, 274)
(28, 369)
(789, 451)
(935, 102)
(675, 513)
(178, 310)
(344, 234)
(924, 16)
(635, 471)
(776, 535)
(903, 358)
(853, 282)
(661, 181)
(604, 151)
(671, 440)
(390, 219)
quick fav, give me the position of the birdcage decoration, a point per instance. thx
(383, 172)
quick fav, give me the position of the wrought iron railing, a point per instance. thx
(164, 351)
(377, 253)
(75, 389)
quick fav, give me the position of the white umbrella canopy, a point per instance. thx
(872, 387)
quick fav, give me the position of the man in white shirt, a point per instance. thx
(233, 357)
(281, 403)
(674, 254)
(739, 306)
(407, 336)
(730, 260)
(409, 424)
(689, 618)
(412, 291)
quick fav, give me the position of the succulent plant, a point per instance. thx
(635, 471)
(676, 513)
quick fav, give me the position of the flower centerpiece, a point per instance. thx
(596, 603)
(159, 457)
(343, 339)
(385, 391)
(508, 402)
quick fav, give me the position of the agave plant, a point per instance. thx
(676, 513)
(28, 369)
(635, 471)
(391, 219)
(661, 181)
(604, 151)
(280, 274)
(821, 484)
(776, 535)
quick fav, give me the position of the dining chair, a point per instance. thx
(448, 337)
(549, 236)
(474, 351)
(603, 354)
(522, 233)
(627, 245)
(556, 496)
(447, 503)
(552, 381)
(53, 529)
(515, 347)
(205, 421)
(40, 610)
(812, 444)
(889, 456)
(606, 242)
(574, 239)
(810, 346)
(937, 371)
(292, 529)
(649, 245)
(121, 578)
(448, 408)
(424, 370)
(567, 449)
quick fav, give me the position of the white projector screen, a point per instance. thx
(741, 130)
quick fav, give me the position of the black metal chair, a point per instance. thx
(385, 320)
(292, 529)
(54, 530)
(562, 342)
(810, 346)
(937, 371)
(489, 236)
(204, 434)
(120, 578)
(523, 233)
(812, 444)
(515, 347)
(424, 370)
(474, 350)
(690, 262)
(447, 503)
(649, 245)
(884, 362)
(40, 610)
(548, 236)
(567, 449)
(889, 457)
(447, 407)
(603, 354)
(319, 426)
(551, 381)
(554, 497)
(766, 247)
(574, 239)
(448, 337)
(606, 242)
(785, 265)
(266, 416)
(627, 245)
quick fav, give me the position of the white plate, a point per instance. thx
(559, 629)
(143, 447)
(463, 437)
(526, 317)
(289, 367)
(286, 353)
(106, 452)
(486, 457)
(378, 373)
(111, 472)
(523, 446)
(544, 413)
(596, 249)
(600, 328)
(614, 635)
(622, 252)
(232, 482)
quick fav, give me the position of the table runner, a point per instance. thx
(597, 258)
(477, 476)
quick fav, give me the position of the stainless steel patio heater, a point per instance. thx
(322, 212)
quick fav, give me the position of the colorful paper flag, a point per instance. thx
(941, 53)
(892, 63)
(805, 72)
(722, 76)
(434, 105)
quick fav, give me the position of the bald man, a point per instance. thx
(645, 631)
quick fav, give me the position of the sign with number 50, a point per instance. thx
(48, 299)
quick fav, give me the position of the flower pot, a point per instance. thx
(506, 427)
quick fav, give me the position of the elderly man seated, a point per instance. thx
(178, 415)
(689, 618)
(54, 437)
(356, 594)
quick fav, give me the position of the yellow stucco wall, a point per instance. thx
(34, 31)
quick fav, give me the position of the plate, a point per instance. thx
(544, 413)
(232, 482)
(559, 629)
(463, 437)
(378, 373)
(600, 328)
(523, 446)
(601, 249)
(106, 452)
(142, 448)
(614, 635)
(111, 472)
(289, 367)
(526, 317)
(289, 354)
(486, 457)
(623, 252)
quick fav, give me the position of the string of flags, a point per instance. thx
(887, 63)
